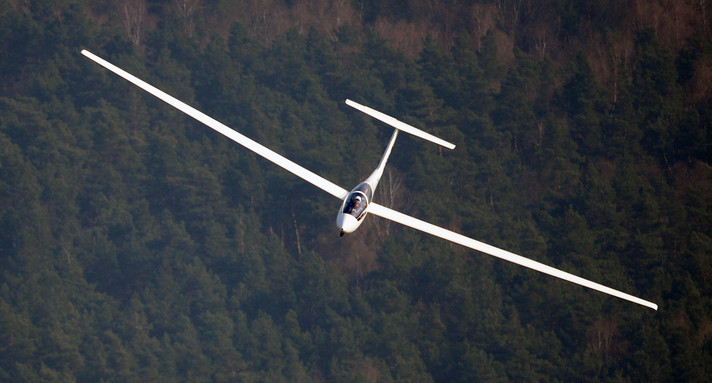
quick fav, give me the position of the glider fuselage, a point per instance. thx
(357, 203)
(355, 206)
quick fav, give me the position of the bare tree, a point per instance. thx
(508, 14)
(186, 8)
(540, 39)
(703, 5)
(340, 9)
(483, 19)
(602, 338)
(392, 194)
(132, 15)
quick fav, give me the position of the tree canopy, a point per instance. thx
(139, 245)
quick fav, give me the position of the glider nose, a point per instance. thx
(346, 223)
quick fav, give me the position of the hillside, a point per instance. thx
(138, 245)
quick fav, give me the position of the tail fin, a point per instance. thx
(399, 124)
(375, 177)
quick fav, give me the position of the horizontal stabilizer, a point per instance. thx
(400, 125)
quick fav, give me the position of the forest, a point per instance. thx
(138, 245)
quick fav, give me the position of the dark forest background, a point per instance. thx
(139, 245)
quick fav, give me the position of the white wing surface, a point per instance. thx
(423, 226)
(299, 171)
(341, 193)
(400, 125)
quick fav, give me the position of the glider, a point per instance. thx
(357, 203)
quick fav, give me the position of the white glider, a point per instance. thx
(358, 202)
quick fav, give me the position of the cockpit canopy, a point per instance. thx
(357, 201)
(356, 205)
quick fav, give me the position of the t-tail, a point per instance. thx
(355, 206)
(400, 125)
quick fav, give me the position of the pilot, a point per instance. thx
(357, 203)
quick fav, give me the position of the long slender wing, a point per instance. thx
(341, 193)
(299, 171)
(415, 223)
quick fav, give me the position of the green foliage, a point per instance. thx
(657, 95)
(138, 245)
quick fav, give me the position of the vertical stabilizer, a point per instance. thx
(376, 175)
